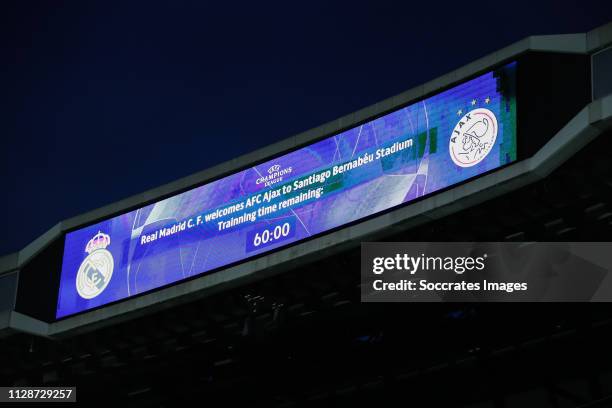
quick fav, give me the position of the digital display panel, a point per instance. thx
(414, 151)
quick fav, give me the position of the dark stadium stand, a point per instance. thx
(303, 338)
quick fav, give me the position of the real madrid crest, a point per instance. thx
(473, 137)
(97, 269)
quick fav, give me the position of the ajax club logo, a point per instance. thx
(96, 270)
(473, 137)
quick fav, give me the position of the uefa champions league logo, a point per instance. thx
(275, 175)
(473, 137)
(97, 269)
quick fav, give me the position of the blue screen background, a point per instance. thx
(398, 178)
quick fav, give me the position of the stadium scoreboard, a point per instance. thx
(393, 160)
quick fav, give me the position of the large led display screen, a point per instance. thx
(414, 151)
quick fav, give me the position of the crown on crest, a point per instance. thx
(99, 241)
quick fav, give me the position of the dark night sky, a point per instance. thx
(102, 100)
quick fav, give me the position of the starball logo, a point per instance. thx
(275, 175)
